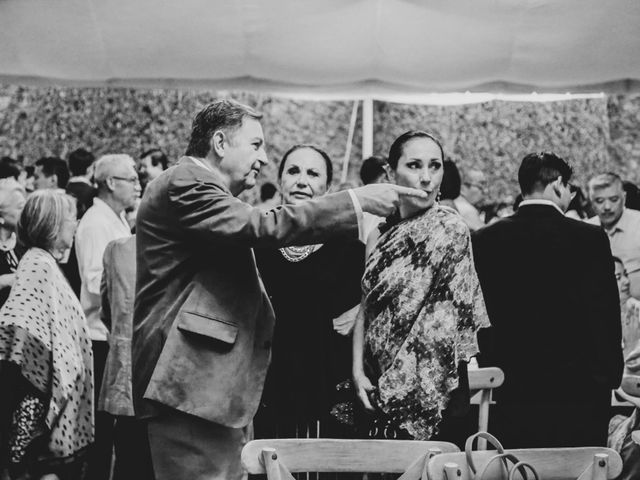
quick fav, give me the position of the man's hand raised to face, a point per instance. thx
(383, 199)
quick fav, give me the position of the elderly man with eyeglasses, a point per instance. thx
(118, 188)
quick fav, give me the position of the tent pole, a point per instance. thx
(367, 127)
(347, 153)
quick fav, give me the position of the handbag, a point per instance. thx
(509, 461)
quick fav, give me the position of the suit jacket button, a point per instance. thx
(267, 344)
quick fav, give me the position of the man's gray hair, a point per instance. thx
(605, 180)
(107, 164)
(225, 115)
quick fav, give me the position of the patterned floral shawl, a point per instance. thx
(43, 331)
(423, 305)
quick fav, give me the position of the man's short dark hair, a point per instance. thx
(79, 161)
(157, 157)
(267, 191)
(372, 168)
(226, 115)
(55, 166)
(538, 170)
(9, 168)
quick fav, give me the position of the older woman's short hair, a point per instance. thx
(108, 164)
(43, 216)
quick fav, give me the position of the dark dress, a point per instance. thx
(309, 358)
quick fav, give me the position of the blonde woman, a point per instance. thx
(46, 415)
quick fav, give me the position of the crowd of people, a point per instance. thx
(152, 323)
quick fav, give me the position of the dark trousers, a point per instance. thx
(133, 457)
(184, 447)
(582, 422)
(102, 451)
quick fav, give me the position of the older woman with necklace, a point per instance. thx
(314, 290)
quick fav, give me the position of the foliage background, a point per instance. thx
(594, 134)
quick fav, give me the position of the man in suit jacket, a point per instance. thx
(551, 295)
(202, 320)
(117, 291)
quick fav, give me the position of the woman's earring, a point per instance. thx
(438, 196)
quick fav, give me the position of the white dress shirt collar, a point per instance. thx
(540, 201)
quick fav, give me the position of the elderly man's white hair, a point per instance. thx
(7, 188)
(108, 165)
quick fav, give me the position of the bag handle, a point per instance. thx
(505, 458)
(468, 447)
(523, 467)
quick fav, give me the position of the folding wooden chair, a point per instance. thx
(278, 458)
(482, 381)
(583, 463)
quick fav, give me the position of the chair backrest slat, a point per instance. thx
(331, 455)
(482, 378)
(551, 463)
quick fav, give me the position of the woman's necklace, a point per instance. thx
(297, 254)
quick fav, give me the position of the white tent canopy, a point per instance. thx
(350, 47)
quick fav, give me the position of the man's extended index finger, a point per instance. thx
(411, 192)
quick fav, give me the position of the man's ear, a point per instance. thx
(110, 184)
(54, 180)
(557, 187)
(218, 140)
(391, 175)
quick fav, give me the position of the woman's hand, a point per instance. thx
(50, 476)
(344, 323)
(363, 386)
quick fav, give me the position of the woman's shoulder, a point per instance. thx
(451, 217)
(37, 261)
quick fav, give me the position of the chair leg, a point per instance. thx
(483, 416)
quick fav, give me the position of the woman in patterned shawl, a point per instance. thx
(421, 303)
(46, 411)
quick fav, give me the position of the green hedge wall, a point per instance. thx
(595, 134)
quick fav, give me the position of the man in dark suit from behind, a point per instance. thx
(551, 295)
(80, 185)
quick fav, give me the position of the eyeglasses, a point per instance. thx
(131, 180)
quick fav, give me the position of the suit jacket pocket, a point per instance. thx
(207, 326)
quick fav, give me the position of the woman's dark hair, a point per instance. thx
(618, 260)
(579, 202)
(451, 182)
(633, 195)
(323, 154)
(395, 152)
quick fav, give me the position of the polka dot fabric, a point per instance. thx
(43, 330)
